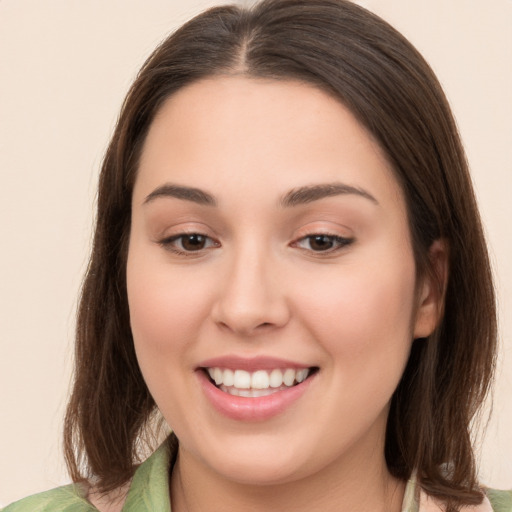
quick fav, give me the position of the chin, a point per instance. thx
(261, 472)
(256, 459)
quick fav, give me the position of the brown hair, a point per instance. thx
(353, 54)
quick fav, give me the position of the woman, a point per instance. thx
(289, 266)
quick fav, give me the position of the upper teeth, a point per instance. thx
(261, 379)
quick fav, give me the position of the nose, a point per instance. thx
(251, 298)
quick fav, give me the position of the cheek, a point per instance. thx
(165, 308)
(363, 313)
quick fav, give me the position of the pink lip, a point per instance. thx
(250, 364)
(252, 409)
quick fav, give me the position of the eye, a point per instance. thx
(185, 243)
(323, 243)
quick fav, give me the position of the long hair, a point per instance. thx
(373, 70)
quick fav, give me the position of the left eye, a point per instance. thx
(188, 242)
(323, 243)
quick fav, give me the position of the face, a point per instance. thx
(271, 279)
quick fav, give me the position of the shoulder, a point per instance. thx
(69, 498)
(109, 502)
(501, 501)
(148, 491)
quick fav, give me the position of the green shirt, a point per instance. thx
(149, 492)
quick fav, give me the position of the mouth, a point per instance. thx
(255, 389)
(259, 383)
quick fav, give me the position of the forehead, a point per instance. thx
(249, 131)
(261, 106)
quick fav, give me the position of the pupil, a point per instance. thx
(193, 242)
(321, 242)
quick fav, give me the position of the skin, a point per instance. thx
(259, 287)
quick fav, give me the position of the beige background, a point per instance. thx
(64, 69)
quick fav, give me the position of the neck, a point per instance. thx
(344, 486)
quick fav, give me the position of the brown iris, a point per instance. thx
(193, 242)
(321, 242)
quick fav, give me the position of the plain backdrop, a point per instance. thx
(65, 66)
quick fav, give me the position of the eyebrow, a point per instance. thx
(295, 197)
(308, 194)
(195, 195)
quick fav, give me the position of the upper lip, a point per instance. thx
(251, 364)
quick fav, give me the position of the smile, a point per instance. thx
(258, 383)
(254, 389)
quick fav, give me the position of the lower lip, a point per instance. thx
(252, 409)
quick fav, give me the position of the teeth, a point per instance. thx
(242, 379)
(276, 378)
(228, 377)
(289, 377)
(258, 383)
(218, 376)
(301, 375)
(259, 380)
(232, 390)
(250, 393)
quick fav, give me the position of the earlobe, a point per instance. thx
(431, 294)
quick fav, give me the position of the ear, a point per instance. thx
(431, 292)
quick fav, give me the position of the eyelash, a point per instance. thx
(338, 242)
(168, 244)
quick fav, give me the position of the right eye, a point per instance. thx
(187, 243)
(322, 243)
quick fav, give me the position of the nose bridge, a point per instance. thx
(250, 297)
